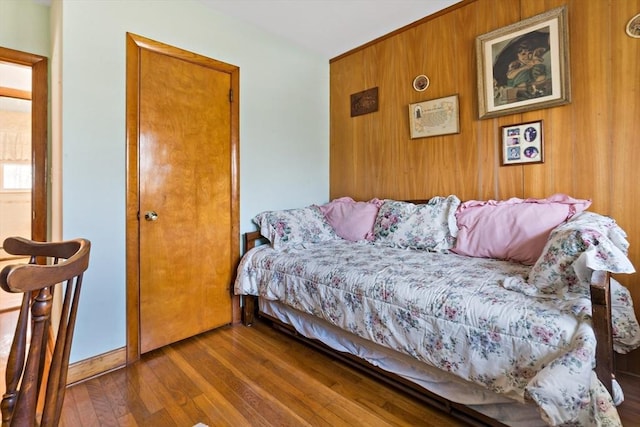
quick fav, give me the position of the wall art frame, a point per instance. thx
(522, 144)
(633, 27)
(420, 83)
(434, 117)
(364, 102)
(524, 66)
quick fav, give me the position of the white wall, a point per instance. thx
(284, 131)
(24, 25)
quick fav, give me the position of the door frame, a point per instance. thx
(39, 134)
(135, 44)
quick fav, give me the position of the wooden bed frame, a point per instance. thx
(601, 320)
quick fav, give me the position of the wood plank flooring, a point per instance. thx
(239, 376)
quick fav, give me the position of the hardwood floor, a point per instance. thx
(629, 410)
(239, 376)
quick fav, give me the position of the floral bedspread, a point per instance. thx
(449, 311)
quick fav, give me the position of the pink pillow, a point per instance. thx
(352, 220)
(513, 229)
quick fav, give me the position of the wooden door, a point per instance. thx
(187, 195)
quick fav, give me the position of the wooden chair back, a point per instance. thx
(33, 369)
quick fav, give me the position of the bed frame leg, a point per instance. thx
(249, 310)
(601, 318)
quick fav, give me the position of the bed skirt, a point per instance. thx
(492, 405)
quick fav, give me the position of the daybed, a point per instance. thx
(499, 312)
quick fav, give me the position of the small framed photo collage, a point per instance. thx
(522, 144)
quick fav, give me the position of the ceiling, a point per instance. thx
(329, 27)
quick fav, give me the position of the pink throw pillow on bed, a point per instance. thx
(352, 220)
(514, 229)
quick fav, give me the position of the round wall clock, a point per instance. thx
(421, 82)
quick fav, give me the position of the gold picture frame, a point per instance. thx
(524, 66)
(434, 117)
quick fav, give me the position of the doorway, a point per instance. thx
(23, 166)
(23, 148)
(182, 194)
(39, 130)
(15, 164)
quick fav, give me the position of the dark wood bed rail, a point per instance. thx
(249, 302)
(601, 316)
(251, 238)
(601, 320)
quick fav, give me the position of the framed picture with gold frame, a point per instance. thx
(524, 66)
(434, 117)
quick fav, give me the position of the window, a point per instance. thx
(15, 176)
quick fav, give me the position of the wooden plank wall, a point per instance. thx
(592, 145)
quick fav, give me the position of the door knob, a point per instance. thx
(151, 216)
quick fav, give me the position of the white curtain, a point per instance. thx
(15, 136)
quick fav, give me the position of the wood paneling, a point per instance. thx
(623, 138)
(591, 144)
